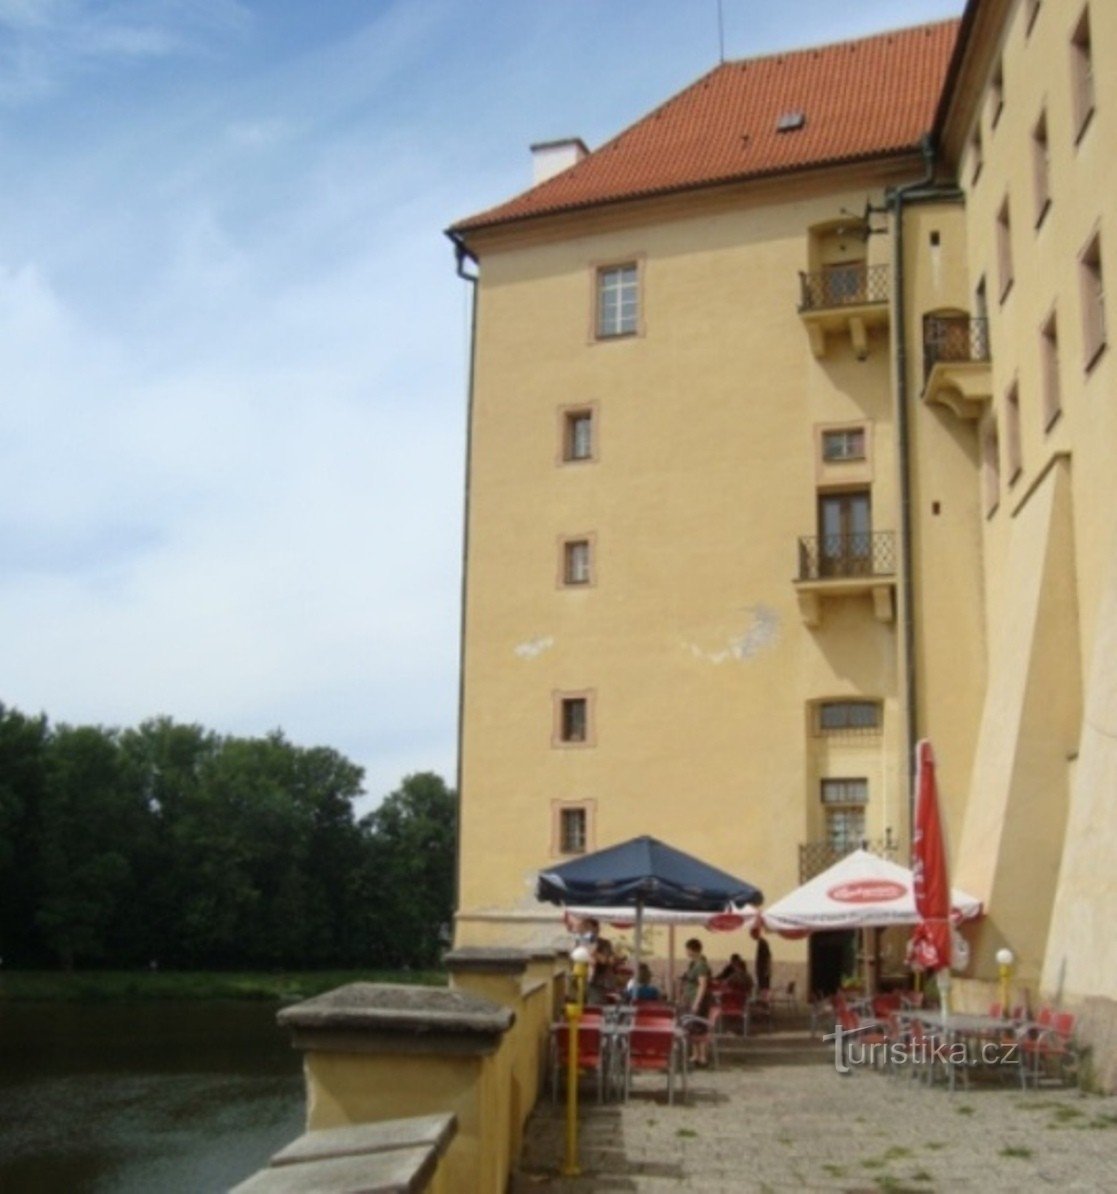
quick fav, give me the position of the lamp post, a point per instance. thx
(1005, 961)
(580, 958)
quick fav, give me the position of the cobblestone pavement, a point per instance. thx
(776, 1116)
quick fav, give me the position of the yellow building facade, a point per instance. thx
(787, 451)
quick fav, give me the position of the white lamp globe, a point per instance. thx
(1005, 957)
(579, 954)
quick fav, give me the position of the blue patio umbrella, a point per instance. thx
(644, 873)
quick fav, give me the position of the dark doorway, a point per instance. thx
(832, 955)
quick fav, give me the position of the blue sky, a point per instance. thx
(233, 348)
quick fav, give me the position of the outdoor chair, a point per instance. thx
(654, 1048)
(785, 998)
(759, 1010)
(1048, 1051)
(731, 1002)
(864, 1034)
(712, 1023)
(591, 1054)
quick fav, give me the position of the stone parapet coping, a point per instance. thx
(488, 960)
(400, 1171)
(353, 1140)
(391, 1017)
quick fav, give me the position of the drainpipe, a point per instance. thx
(461, 255)
(894, 199)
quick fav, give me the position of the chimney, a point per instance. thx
(549, 158)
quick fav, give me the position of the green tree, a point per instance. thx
(409, 875)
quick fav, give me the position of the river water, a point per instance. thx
(143, 1098)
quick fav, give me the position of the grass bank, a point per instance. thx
(104, 985)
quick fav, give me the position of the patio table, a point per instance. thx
(972, 1030)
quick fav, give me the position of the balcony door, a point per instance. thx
(845, 534)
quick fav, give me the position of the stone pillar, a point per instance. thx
(384, 1051)
(523, 980)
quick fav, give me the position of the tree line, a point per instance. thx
(168, 843)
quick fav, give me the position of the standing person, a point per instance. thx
(763, 960)
(695, 999)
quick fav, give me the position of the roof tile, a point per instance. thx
(860, 99)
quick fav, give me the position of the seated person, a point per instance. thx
(602, 982)
(735, 975)
(641, 989)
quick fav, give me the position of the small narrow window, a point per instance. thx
(1033, 12)
(1004, 249)
(996, 95)
(1013, 451)
(991, 468)
(1082, 74)
(1093, 301)
(845, 791)
(572, 831)
(980, 302)
(977, 155)
(618, 305)
(846, 443)
(578, 435)
(1041, 168)
(1049, 349)
(848, 717)
(576, 562)
(573, 719)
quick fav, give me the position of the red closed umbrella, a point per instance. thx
(930, 942)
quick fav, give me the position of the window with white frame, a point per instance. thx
(572, 830)
(848, 717)
(844, 803)
(576, 562)
(843, 443)
(578, 434)
(618, 300)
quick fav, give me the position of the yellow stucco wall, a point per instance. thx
(691, 638)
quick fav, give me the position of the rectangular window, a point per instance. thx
(837, 717)
(1049, 350)
(1004, 249)
(618, 301)
(573, 719)
(576, 562)
(1093, 301)
(1033, 12)
(1013, 453)
(991, 468)
(572, 831)
(980, 302)
(845, 791)
(1041, 168)
(847, 443)
(845, 829)
(996, 95)
(577, 435)
(1082, 74)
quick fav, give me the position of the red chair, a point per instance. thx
(732, 1001)
(591, 1053)
(1047, 1049)
(655, 1048)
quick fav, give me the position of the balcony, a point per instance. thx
(816, 857)
(956, 364)
(849, 298)
(832, 566)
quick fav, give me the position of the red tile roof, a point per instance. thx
(874, 97)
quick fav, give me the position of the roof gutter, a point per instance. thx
(895, 199)
(462, 255)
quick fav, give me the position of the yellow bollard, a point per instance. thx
(580, 957)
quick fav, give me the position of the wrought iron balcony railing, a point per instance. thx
(815, 857)
(954, 338)
(843, 286)
(831, 557)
